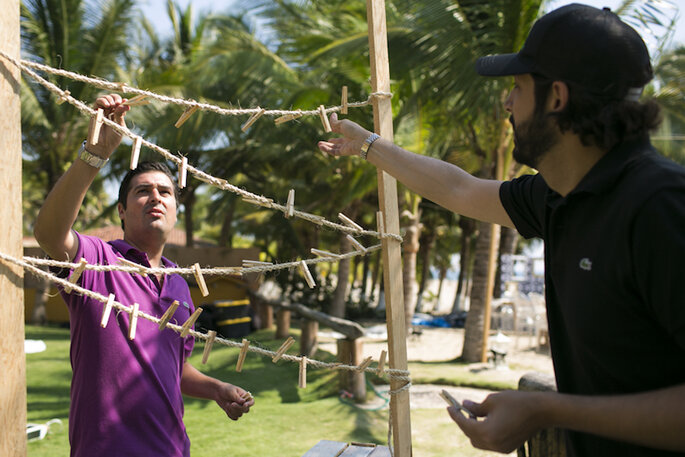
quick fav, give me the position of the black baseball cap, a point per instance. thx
(580, 44)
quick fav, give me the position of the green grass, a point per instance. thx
(285, 421)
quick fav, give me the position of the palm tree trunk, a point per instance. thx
(425, 250)
(410, 248)
(188, 205)
(468, 227)
(507, 246)
(226, 235)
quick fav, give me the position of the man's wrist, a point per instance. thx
(90, 158)
(366, 145)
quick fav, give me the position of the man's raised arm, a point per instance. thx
(439, 181)
(59, 211)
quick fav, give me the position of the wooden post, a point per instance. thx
(309, 341)
(12, 358)
(392, 256)
(282, 323)
(350, 353)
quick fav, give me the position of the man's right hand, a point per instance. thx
(109, 139)
(353, 136)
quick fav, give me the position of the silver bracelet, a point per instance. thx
(364, 151)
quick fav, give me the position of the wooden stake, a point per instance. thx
(185, 115)
(168, 314)
(365, 364)
(343, 100)
(135, 152)
(324, 119)
(252, 119)
(133, 321)
(200, 280)
(183, 172)
(290, 205)
(379, 223)
(356, 244)
(282, 350)
(99, 117)
(381, 363)
(241, 357)
(185, 329)
(349, 222)
(302, 382)
(106, 311)
(63, 97)
(307, 274)
(76, 274)
(137, 100)
(321, 253)
(208, 346)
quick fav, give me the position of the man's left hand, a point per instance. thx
(234, 400)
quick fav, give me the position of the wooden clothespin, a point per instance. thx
(355, 443)
(324, 119)
(307, 274)
(63, 97)
(356, 244)
(318, 220)
(106, 311)
(133, 321)
(381, 363)
(186, 327)
(342, 451)
(76, 274)
(183, 172)
(365, 364)
(255, 263)
(135, 152)
(247, 396)
(137, 100)
(343, 101)
(287, 118)
(127, 263)
(380, 223)
(253, 119)
(99, 119)
(243, 354)
(349, 222)
(168, 314)
(302, 382)
(321, 253)
(185, 115)
(290, 205)
(208, 345)
(282, 350)
(200, 280)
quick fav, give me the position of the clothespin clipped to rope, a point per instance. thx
(287, 118)
(76, 274)
(322, 253)
(349, 222)
(185, 329)
(99, 119)
(381, 363)
(324, 119)
(243, 354)
(365, 364)
(127, 263)
(208, 345)
(253, 119)
(63, 97)
(302, 381)
(282, 350)
(356, 244)
(168, 314)
(137, 100)
(318, 220)
(183, 172)
(133, 321)
(380, 223)
(106, 311)
(343, 100)
(200, 280)
(307, 274)
(290, 205)
(135, 152)
(185, 115)
(266, 202)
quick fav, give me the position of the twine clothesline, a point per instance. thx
(249, 197)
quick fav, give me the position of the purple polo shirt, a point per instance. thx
(126, 395)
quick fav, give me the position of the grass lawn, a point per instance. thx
(285, 421)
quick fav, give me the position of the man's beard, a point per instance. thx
(533, 139)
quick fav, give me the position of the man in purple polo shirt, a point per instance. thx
(126, 395)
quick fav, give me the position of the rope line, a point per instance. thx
(402, 375)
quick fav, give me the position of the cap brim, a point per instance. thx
(502, 65)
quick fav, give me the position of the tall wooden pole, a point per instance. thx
(12, 359)
(392, 256)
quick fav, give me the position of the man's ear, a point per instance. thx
(558, 98)
(120, 209)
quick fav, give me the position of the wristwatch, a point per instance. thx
(364, 151)
(91, 159)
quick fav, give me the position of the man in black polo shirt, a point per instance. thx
(612, 215)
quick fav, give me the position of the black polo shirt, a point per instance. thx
(614, 277)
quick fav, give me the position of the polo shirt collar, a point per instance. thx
(132, 253)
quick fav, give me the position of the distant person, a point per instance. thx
(126, 395)
(612, 214)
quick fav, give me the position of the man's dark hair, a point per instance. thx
(143, 167)
(599, 120)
